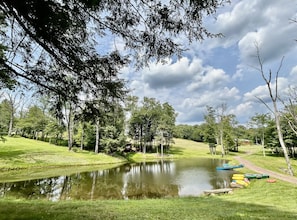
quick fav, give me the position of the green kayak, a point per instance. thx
(256, 176)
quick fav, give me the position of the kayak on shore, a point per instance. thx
(229, 167)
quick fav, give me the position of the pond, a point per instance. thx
(163, 179)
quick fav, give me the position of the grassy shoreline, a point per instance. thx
(261, 200)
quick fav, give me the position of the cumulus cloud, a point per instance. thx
(250, 21)
(262, 92)
(172, 73)
(210, 78)
(222, 70)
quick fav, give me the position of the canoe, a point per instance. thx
(229, 167)
(256, 176)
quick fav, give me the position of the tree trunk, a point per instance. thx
(263, 144)
(162, 145)
(97, 136)
(82, 138)
(222, 143)
(70, 129)
(281, 139)
(11, 122)
(144, 147)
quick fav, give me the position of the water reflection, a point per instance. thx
(130, 181)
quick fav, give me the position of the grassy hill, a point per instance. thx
(22, 158)
(261, 200)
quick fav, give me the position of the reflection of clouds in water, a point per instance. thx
(138, 180)
(193, 182)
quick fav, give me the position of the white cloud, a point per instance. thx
(221, 70)
(250, 21)
(262, 92)
(171, 74)
(210, 78)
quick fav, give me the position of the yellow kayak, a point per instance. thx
(242, 182)
(238, 177)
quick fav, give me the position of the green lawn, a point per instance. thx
(182, 149)
(22, 158)
(271, 162)
(261, 200)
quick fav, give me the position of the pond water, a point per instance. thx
(161, 179)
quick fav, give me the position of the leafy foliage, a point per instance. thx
(57, 44)
(150, 122)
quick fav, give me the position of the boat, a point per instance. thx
(229, 167)
(241, 182)
(256, 176)
(238, 177)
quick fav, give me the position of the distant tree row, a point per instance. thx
(223, 130)
(148, 127)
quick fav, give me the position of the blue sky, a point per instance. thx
(222, 70)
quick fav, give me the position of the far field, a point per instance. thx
(261, 200)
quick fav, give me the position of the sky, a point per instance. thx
(224, 70)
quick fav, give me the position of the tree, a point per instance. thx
(14, 99)
(49, 40)
(220, 128)
(165, 125)
(54, 129)
(274, 96)
(291, 109)
(34, 121)
(210, 131)
(260, 121)
(4, 116)
(150, 122)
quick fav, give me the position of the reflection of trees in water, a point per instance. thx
(130, 181)
(49, 188)
(150, 180)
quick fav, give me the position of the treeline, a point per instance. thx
(136, 125)
(133, 125)
(224, 130)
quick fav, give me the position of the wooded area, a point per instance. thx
(137, 126)
(53, 49)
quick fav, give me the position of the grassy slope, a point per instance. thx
(182, 149)
(261, 200)
(22, 158)
(271, 162)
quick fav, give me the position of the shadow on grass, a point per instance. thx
(129, 156)
(11, 153)
(176, 151)
(185, 208)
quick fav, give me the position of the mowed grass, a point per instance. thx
(182, 149)
(20, 152)
(260, 200)
(272, 162)
(22, 158)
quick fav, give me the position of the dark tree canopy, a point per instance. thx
(55, 44)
